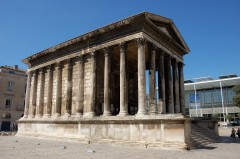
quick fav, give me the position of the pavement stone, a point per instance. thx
(26, 148)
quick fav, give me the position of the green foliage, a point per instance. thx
(238, 114)
(229, 116)
(215, 116)
(236, 98)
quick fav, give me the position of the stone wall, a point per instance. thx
(147, 132)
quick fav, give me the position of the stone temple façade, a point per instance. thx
(93, 87)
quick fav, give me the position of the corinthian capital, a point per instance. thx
(141, 41)
(107, 51)
(123, 46)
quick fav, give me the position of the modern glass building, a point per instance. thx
(205, 97)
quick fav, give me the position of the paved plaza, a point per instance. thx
(24, 148)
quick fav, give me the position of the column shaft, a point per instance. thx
(80, 97)
(34, 94)
(181, 88)
(170, 87)
(59, 89)
(39, 110)
(123, 80)
(152, 82)
(27, 98)
(69, 89)
(49, 92)
(161, 83)
(107, 81)
(141, 77)
(91, 112)
(176, 88)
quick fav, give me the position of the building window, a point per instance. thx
(8, 103)
(12, 72)
(10, 86)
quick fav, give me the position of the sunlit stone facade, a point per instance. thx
(93, 87)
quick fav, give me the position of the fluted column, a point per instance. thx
(27, 98)
(176, 88)
(49, 92)
(39, 110)
(34, 94)
(69, 88)
(170, 86)
(152, 81)
(161, 83)
(123, 80)
(91, 111)
(58, 69)
(141, 77)
(107, 71)
(181, 88)
(80, 96)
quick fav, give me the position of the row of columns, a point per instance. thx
(170, 84)
(170, 79)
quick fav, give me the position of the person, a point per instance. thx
(238, 133)
(233, 135)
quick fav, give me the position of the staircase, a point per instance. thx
(201, 136)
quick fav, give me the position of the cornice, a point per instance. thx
(112, 34)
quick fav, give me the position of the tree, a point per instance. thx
(229, 116)
(236, 98)
(215, 116)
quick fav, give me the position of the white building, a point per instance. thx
(205, 97)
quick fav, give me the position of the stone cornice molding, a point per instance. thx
(102, 35)
(107, 44)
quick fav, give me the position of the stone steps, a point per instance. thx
(201, 136)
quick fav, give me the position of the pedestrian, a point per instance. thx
(238, 133)
(233, 134)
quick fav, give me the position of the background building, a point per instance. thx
(205, 97)
(12, 94)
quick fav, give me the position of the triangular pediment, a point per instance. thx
(167, 27)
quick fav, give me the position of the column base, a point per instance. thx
(46, 115)
(39, 116)
(107, 113)
(67, 115)
(31, 116)
(57, 115)
(79, 115)
(89, 114)
(153, 112)
(141, 113)
(123, 113)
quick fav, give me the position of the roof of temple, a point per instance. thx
(162, 24)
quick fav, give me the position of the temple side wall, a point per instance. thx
(160, 133)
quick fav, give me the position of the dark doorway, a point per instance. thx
(5, 126)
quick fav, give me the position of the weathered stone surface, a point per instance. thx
(95, 87)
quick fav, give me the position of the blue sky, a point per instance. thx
(211, 28)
